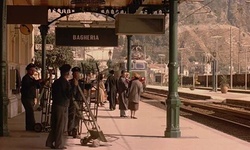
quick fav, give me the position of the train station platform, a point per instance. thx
(144, 133)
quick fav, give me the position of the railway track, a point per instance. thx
(233, 120)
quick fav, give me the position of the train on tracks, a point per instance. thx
(138, 63)
(137, 66)
(207, 80)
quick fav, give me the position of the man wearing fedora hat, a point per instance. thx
(61, 99)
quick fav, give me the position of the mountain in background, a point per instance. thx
(215, 27)
(206, 29)
(211, 27)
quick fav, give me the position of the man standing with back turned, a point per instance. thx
(111, 88)
(61, 97)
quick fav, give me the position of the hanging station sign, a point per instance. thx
(27, 15)
(104, 37)
(127, 24)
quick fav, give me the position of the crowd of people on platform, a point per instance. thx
(122, 91)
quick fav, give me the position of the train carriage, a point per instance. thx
(137, 66)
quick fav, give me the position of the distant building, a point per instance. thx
(158, 73)
(101, 54)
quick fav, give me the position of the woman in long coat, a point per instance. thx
(135, 90)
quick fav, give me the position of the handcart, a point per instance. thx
(92, 99)
(45, 99)
(94, 134)
(46, 104)
(94, 94)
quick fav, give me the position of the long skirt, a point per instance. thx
(133, 106)
(101, 97)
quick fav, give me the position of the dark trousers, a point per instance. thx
(112, 99)
(73, 119)
(58, 121)
(28, 104)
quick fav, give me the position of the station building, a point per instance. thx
(20, 52)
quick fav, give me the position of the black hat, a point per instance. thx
(76, 69)
(65, 68)
(29, 66)
(112, 72)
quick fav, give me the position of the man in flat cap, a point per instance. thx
(61, 99)
(28, 93)
(73, 120)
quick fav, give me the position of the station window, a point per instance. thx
(140, 66)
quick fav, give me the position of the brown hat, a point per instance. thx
(136, 75)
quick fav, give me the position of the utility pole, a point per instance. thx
(246, 64)
(240, 11)
(207, 59)
(231, 66)
(215, 65)
(246, 69)
(239, 53)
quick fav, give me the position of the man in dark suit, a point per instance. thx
(111, 88)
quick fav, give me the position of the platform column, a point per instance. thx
(173, 101)
(129, 53)
(3, 76)
(44, 31)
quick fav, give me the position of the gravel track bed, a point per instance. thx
(241, 133)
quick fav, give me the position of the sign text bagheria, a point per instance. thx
(85, 37)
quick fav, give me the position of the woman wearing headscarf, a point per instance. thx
(135, 90)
